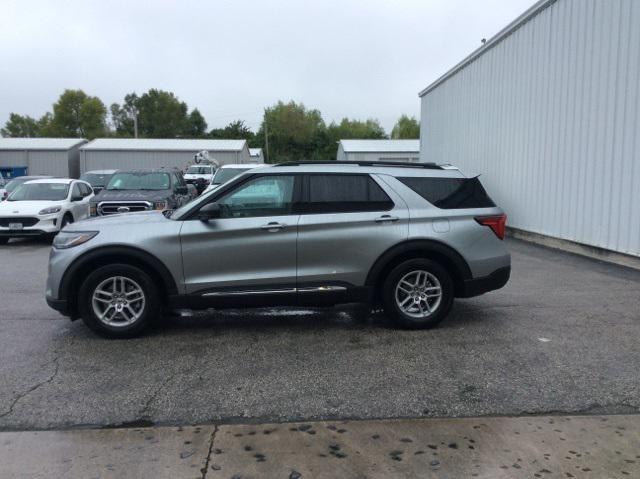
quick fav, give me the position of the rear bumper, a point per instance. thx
(478, 286)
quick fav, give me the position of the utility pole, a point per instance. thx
(133, 114)
(266, 137)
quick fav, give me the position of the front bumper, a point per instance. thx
(60, 305)
(491, 282)
(46, 225)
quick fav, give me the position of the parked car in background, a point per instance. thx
(40, 207)
(130, 191)
(230, 171)
(410, 237)
(13, 183)
(200, 176)
(98, 179)
(193, 191)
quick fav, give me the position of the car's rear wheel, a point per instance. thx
(118, 301)
(418, 293)
(4, 240)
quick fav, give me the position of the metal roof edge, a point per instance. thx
(89, 147)
(531, 12)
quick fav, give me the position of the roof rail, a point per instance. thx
(389, 164)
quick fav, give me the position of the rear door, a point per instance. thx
(347, 221)
(251, 249)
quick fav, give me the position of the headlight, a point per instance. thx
(51, 210)
(160, 205)
(64, 240)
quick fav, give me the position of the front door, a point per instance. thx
(251, 248)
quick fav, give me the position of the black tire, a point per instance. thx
(66, 219)
(4, 240)
(149, 312)
(397, 315)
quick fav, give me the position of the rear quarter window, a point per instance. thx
(450, 193)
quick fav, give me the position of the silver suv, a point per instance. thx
(410, 237)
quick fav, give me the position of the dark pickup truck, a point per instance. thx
(129, 191)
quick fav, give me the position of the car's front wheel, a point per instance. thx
(418, 293)
(118, 301)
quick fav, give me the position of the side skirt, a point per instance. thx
(322, 295)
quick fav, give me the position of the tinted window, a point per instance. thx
(84, 189)
(451, 193)
(345, 194)
(76, 193)
(263, 196)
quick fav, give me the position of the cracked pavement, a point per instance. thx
(562, 337)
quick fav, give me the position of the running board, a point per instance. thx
(317, 289)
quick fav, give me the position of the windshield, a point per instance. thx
(40, 192)
(199, 170)
(225, 174)
(96, 179)
(13, 184)
(139, 181)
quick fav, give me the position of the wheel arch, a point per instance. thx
(435, 250)
(89, 261)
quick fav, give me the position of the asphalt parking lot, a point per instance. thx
(562, 337)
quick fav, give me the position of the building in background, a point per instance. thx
(129, 153)
(548, 111)
(40, 156)
(379, 150)
(256, 155)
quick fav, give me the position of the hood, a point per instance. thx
(140, 218)
(25, 208)
(131, 195)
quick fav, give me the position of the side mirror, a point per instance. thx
(182, 190)
(209, 211)
(77, 198)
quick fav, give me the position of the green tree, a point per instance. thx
(348, 130)
(293, 132)
(77, 114)
(196, 124)
(160, 114)
(236, 130)
(20, 126)
(406, 128)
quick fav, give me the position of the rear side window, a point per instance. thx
(345, 194)
(450, 193)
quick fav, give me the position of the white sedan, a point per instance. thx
(41, 207)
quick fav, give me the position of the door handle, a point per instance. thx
(273, 226)
(387, 219)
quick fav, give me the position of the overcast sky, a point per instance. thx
(360, 59)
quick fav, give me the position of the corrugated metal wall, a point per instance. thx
(551, 118)
(132, 159)
(379, 156)
(382, 156)
(40, 162)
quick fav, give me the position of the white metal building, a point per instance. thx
(115, 153)
(40, 156)
(379, 150)
(548, 111)
(257, 156)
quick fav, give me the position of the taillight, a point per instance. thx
(496, 223)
